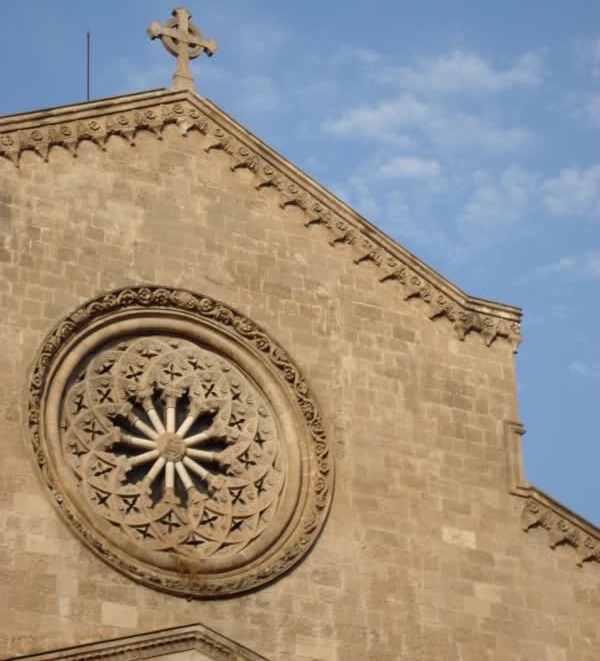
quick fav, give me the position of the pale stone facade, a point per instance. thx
(424, 554)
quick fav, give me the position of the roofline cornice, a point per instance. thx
(97, 121)
(562, 525)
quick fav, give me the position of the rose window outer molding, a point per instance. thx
(179, 441)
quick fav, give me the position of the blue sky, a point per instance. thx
(466, 130)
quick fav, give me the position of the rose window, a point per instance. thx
(179, 441)
(173, 445)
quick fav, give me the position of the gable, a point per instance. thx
(423, 530)
(128, 117)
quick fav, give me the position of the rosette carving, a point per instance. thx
(562, 527)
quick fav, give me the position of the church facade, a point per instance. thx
(240, 422)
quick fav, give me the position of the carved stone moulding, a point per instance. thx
(196, 642)
(179, 441)
(562, 526)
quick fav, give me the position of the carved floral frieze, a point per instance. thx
(126, 117)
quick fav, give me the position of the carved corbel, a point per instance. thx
(244, 158)
(318, 215)
(10, 147)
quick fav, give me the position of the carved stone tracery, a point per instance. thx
(174, 446)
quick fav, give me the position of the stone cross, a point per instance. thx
(184, 40)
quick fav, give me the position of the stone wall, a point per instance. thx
(423, 555)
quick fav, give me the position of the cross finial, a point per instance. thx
(184, 40)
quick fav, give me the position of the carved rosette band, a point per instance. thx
(190, 113)
(561, 528)
(179, 441)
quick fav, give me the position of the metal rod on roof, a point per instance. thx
(88, 66)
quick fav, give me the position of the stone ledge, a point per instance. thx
(68, 126)
(192, 638)
(562, 525)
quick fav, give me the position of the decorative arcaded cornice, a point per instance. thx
(540, 510)
(167, 641)
(562, 526)
(96, 122)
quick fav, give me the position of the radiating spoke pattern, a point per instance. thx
(173, 446)
(171, 450)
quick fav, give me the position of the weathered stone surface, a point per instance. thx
(423, 555)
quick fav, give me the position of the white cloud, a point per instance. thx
(581, 368)
(124, 75)
(406, 220)
(406, 118)
(461, 132)
(588, 54)
(595, 57)
(356, 54)
(403, 167)
(357, 192)
(424, 115)
(589, 111)
(383, 121)
(498, 203)
(464, 72)
(259, 93)
(582, 267)
(574, 192)
(259, 37)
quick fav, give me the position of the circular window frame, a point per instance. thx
(210, 323)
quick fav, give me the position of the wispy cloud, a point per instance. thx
(588, 54)
(498, 203)
(463, 72)
(581, 267)
(406, 119)
(574, 192)
(464, 132)
(587, 109)
(125, 75)
(409, 167)
(353, 55)
(260, 37)
(581, 368)
(595, 57)
(384, 121)
(260, 94)
(427, 110)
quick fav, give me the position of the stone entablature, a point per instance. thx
(164, 644)
(97, 121)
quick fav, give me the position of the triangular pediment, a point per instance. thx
(189, 643)
(67, 127)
